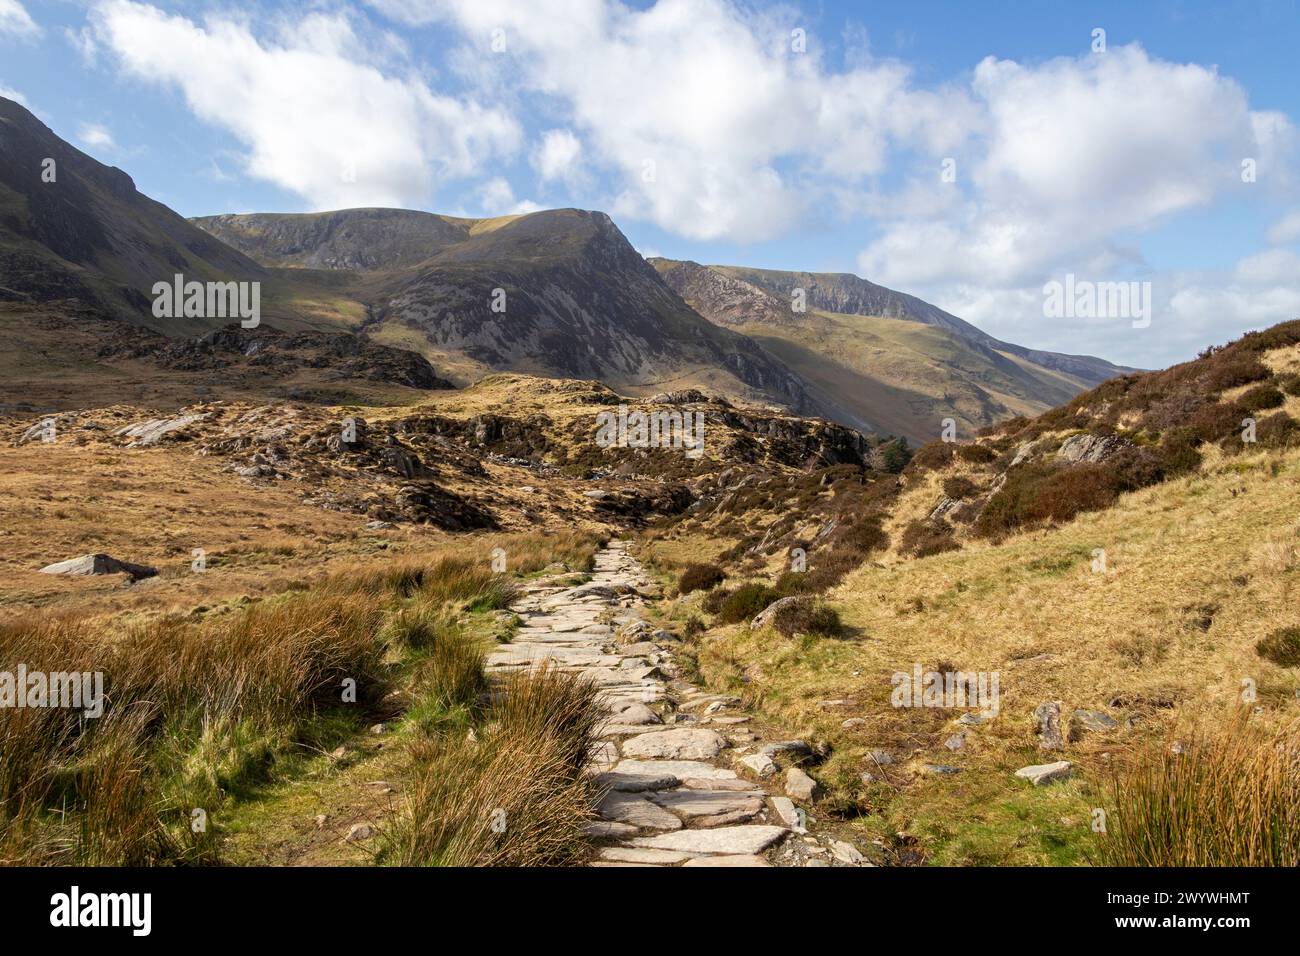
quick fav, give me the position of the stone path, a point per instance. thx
(675, 766)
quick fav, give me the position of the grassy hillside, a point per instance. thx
(1155, 586)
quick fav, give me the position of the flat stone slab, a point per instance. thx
(740, 840)
(676, 745)
(1040, 775)
(608, 830)
(694, 806)
(635, 782)
(633, 854)
(636, 810)
(734, 785)
(738, 860)
(638, 714)
(681, 769)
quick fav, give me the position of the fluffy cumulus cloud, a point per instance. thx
(558, 156)
(718, 123)
(1075, 152)
(1075, 159)
(16, 21)
(318, 111)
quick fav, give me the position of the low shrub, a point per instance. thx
(959, 488)
(700, 577)
(805, 615)
(1261, 397)
(923, 537)
(744, 602)
(1282, 647)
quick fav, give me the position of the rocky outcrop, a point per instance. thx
(339, 356)
(1091, 448)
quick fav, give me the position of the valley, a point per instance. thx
(497, 544)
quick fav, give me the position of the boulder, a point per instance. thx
(100, 564)
(1083, 720)
(766, 616)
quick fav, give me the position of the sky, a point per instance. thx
(973, 154)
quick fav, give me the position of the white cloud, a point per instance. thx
(497, 198)
(96, 136)
(15, 19)
(83, 41)
(12, 94)
(558, 155)
(1270, 266)
(714, 127)
(314, 107)
(1074, 153)
(1286, 229)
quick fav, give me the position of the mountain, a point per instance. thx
(89, 238)
(559, 293)
(884, 360)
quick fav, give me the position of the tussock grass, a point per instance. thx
(1230, 798)
(514, 795)
(200, 711)
(193, 710)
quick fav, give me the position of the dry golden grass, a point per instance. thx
(1197, 571)
(1229, 796)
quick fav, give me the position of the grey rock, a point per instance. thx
(747, 859)
(847, 853)
(788, 813)
(1082, 721)
(800, 786)
(794, 751)
(761, 764)
(1042, 774)
(100, 564)
(681, 744)
(1091, 448)
(359, 832)
(739, 840)
(635, 810)
(765, 616)
(634, 782)
(1048, 718)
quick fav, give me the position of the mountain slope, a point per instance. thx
(575, 299)
(884, 360)
(89, 237)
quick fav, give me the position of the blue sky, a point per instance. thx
(714, 131)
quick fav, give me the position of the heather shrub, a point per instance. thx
(700, 577)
